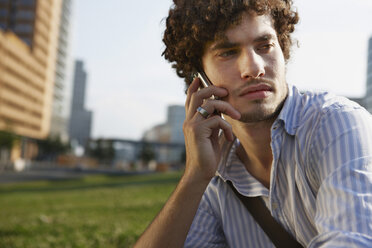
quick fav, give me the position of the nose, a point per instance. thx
(251, 65)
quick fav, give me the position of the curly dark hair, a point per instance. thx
(192, 23)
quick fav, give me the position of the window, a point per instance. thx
(23, 28)
(27, 41)
(26, 2)
(3, 12)
(24, 14)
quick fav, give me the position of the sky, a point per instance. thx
(130, 84)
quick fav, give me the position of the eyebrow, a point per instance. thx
(224, 43)
(265, 37)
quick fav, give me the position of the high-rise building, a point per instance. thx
(175, 119)
(63, 79)
(80, 119)
(171, 131)
(368, 99)
(28, 48)
(19, 17)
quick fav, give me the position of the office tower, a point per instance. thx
(28, 47)
(175, 119)
(368, 99)
(171, 131)
(63, 80)
(80, 119)
(18, 17)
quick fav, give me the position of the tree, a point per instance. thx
(7, 140)
(51, 148)
(101, 149)
(183, 156)
(147, 152)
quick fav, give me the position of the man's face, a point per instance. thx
(249, 63)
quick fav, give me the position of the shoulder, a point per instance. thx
(332, 131)
(217, 192)
(304, 111)
(214, 197)
(311, 110)
(322, 111)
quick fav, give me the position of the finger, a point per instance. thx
(213, 106)
(197, 98)
(201, 114)
(212, 90)
(216, 123)
(194, 86)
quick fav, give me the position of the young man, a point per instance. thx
(307, 156)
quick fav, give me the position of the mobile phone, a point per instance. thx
(205, 81)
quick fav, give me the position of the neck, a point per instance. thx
(255, 149)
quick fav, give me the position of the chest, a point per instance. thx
(291, 199)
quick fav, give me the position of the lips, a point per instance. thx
(253, 89)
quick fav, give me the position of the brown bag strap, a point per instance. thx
(277, 234)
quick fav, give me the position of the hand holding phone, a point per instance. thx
(202, 133)
(205, 81)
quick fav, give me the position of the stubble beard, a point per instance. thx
(262, 113)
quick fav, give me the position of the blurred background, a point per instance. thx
(85, 91)
(83, 83)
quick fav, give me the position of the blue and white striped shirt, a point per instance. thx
(321, 180)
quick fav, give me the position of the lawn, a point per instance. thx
(95, 211)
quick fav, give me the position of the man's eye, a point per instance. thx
(266, 47)
(226, 53)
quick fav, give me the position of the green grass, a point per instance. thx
(95, 211)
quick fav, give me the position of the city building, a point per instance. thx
(171, 130)
(63, 79)
(80, 119)
(169, 133)
(175, 119)
(28, 49)
(368, 98)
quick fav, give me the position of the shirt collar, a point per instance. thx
(290, 114)
(231, 168)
